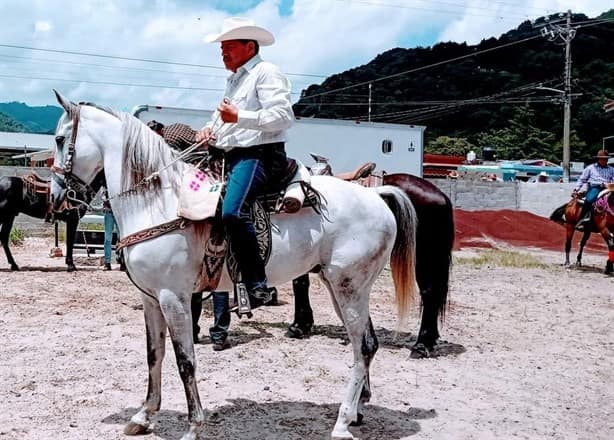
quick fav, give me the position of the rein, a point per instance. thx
(74, 185)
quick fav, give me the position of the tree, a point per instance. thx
(449, 146)
(520, 139)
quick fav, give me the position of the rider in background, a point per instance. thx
(597, 176)
(249, 126)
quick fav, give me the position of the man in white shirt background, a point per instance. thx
(249, 126)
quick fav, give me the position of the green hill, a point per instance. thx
(502, 82)
(9, 124)
(33, 119)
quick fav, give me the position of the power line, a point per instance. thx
(110, 83)
(454, 105)
(176, 74)
(104, 66)
(417, 69)
(441, 11)
(144, 60)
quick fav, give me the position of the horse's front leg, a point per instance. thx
(585, 236)
(303, 315)
(155, 327)
(5, 232)
(178, 316)
(609, 239)
(71, 230)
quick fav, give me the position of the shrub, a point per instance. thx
(17, 236)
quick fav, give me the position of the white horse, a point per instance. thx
(362, 229)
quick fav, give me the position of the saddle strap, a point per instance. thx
(153, 232)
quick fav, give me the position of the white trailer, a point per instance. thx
(395, 148)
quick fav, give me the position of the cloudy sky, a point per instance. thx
(44, 44)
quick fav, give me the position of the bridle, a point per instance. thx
(71, 184)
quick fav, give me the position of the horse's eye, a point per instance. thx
(59, 140)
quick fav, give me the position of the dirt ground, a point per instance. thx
(530, 355)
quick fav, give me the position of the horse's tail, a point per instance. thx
(558, 215)
(403, 257)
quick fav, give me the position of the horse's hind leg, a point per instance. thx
(352, 306)
(569, 231)
(6, 225)
(368, 348)
(155, 327)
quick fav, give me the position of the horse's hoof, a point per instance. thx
(347, 435)
(14, 267)
(295, 331)
(133, 428)
(358, 421)
(71, 268)
(420, 351)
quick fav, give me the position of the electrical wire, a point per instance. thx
(144, 60)
(462, 11)
(418, 69)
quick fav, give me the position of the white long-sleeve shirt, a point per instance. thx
(262, 95)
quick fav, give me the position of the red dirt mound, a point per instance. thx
(486, 229)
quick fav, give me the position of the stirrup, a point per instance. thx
(243, 306)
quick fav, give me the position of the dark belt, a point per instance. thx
(264, 152)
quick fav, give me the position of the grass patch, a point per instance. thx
(91, 227)
(17, 236)
(501, 258)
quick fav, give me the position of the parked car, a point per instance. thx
(90, 234)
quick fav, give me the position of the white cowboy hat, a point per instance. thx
(240, 28)
(543, 173)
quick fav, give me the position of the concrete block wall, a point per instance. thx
(543, 198)
(22, 171)
(538, 198)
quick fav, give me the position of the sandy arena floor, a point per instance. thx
(530, 356)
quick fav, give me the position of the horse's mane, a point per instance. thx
(145, 153)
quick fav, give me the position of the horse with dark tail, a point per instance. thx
(434, 243)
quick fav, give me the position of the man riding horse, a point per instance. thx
(597, 176)
(255, 113)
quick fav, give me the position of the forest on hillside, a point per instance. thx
(495, 99)
(10, 124)
(38, 119)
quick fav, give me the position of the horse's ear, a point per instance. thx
(65, 103)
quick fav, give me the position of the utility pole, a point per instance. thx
(567, 111)
(554, 32)
(369, 102)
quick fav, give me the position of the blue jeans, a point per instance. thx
(221, 316)
(592, 193)
(589, 199)
(246, 180)
(109, 226)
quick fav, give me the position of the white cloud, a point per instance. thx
(491, 19)
(320, 36)
(42, 26)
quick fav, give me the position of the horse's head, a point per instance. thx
(77, 160)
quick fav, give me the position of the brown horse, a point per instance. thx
(602, 222)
